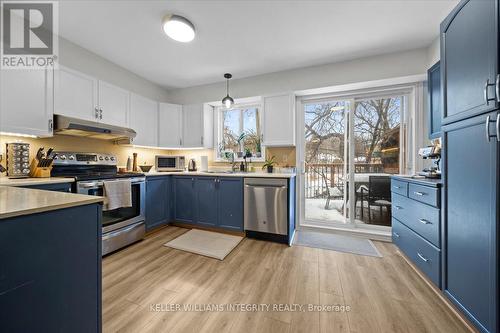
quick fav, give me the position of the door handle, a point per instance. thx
(424, 221)
(422, 257)
(395, 234)
(487, 84)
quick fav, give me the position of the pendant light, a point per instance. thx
(228, 101)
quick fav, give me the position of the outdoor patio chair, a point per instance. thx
(337, 191)
(379, 194)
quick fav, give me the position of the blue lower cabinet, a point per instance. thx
(59, 187)
(215, 202)
(158, 201)
(206, 201)
(50, 271)
(184, 187)
(230, 203)
(423, 254)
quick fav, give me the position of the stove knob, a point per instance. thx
(106, 158)
(112, 158)
(71, 157)
(100, 158)
(63, 157)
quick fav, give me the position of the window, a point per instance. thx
(239, 133)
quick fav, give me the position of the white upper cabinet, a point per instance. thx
(144, 120)
(170, 125)
(75, 94)
(114, 104)
(279, 120)
(26, 101)
(192, 125)
(208, 126)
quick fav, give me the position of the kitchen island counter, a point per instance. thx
(16, 201)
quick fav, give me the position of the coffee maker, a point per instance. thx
(432, 152)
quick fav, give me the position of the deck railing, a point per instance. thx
(321, 176)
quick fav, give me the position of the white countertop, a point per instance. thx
(16, 201)
(153, 173)
(5, 181)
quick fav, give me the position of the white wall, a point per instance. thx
(433, 53)
(78, 58)
(352, 71)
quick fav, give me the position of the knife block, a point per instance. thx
(38, 172)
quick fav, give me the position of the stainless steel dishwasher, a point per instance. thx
(266, 205)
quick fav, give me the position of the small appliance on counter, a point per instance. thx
(204, 163)
(434, 153)
(170, 163)
(192, 165)
(18, 158)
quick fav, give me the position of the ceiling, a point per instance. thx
(247, 38)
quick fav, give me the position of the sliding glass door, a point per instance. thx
(325, 155)
(350, 148)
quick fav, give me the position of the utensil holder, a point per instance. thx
(38, 172)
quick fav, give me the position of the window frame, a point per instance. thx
(219, 128)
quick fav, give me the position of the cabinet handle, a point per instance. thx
(487, 127)
(51, 125)
(395, 234)
(424, 221)
(397, 187)
(486, 85)
(497, 125)
(422, 257)
(398, 207)
(202, 140)
(419, 193)
(100, 113)
(96, 112)
(497, 87)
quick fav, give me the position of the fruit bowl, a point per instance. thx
(145, 168)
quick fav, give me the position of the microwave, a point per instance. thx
(170, 163)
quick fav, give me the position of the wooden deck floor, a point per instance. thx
(384, 294)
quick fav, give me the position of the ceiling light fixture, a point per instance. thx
(178, 28)
(228, 101)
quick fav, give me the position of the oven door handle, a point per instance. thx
(120, 231)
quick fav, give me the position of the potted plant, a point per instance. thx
(240, 146)
(269, 164)
(258, 148)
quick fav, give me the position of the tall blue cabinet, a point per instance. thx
(471, 95)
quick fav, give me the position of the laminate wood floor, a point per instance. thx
(384, 294)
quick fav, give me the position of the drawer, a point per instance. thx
(422, 253)
(399, 187)
(425, 194)
(423, 219)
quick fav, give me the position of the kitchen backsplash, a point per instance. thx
(284, 156)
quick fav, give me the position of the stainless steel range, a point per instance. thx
(121, 226)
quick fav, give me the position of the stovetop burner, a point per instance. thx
(88, 166)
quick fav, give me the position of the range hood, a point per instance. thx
(92, 129)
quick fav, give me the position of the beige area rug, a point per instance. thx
(206, 243)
